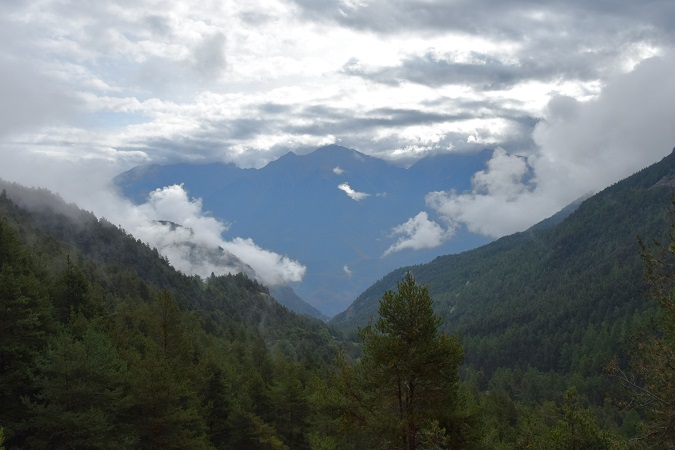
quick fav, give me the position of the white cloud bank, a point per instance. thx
(581, 147)
(502, 201)
(173, 204)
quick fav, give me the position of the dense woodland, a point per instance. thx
(104, 345)
(550, 308)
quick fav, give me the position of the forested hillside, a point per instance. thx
(105, 345)
(550, 307)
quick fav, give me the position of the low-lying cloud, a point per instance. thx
(418, 233)
(197, 228)
(581, 148)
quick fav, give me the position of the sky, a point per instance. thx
(570, 96)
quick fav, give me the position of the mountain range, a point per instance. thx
(333, 210)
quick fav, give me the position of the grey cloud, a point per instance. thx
(487, 72)
(158, 24)
(255, 17)
(209, 56)
(581, 148)
(338, 120)
(274, 108)
(203, 66)
(555, 40)
(31, 98)
(490, 18)
(217, 139)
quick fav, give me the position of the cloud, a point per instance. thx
(347, 270)
(273, 268)
(581, 148)
(481, 70)
(338, 171)
(418, 233)
(508, 20)
(253, 80)
(31, 97)
(351, 193)
(173, 204)
(209, 56)
(198, 228)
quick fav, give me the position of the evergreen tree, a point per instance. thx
(650, 382)
(577, 430)
(404, 387)
(25, 325)
(71, 293)
(83, 399)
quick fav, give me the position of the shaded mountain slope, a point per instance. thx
(104, 345)
(124, 266)
(542, 298)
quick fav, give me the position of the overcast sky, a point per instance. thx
(570, 95)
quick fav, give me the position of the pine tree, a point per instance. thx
(405, 385)
(25, 325)
(83, 398)
(649, 383)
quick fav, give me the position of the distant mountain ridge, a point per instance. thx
(332, 210)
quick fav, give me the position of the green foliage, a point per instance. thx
(576, 429)
(25, 324)
(548, 425)
(83, 393)
(141, 356)
(649, 382)
(553, 304)
(405, 386)
(70, 293)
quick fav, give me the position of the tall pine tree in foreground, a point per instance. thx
(403, 392)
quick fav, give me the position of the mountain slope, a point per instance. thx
(333, 210)
(542, 297)
(104, 345)
(118, 261)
